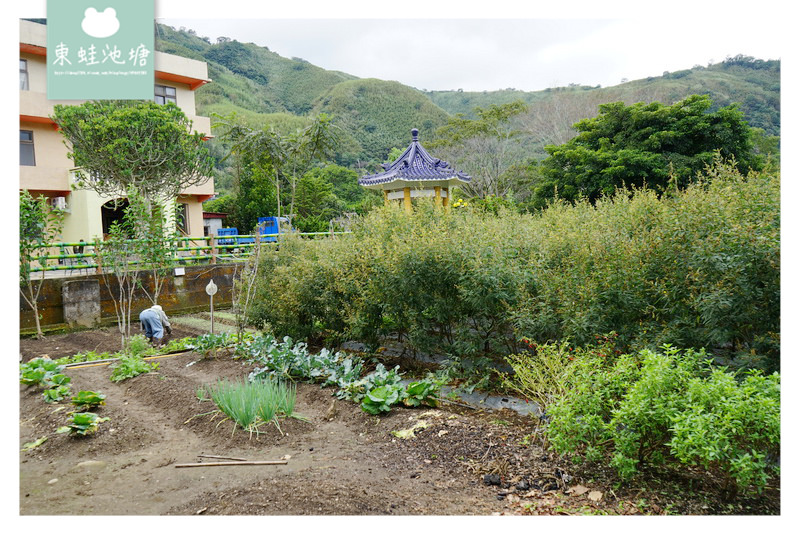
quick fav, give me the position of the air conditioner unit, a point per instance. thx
(59, 203)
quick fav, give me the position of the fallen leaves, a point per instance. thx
(409, 433)
(595, 495)
(577, 490)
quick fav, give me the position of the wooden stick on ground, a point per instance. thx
(233, 463)
(222, 457)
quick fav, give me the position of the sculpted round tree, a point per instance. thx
(122, 145)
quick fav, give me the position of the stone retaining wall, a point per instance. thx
(85, 301)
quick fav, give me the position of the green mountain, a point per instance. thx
(263, 87)
(379, 115)
(753, 83)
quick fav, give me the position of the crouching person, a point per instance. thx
(154, 322)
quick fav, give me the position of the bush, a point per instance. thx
(731, 429)
(697, 268)
(540, 376)
(647, 408)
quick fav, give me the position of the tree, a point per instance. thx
(117, 255)
(643, 145)
(155, 241)
(484, 147)
(284, 158)
(135, 244)
(345, 185)
(38, 226)
(119, 145)
(148, 153)
(316, 202)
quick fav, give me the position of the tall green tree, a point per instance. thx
(345, 185)
(284, 158)
(149, 153)
(644, 145)
(38, 226)
(483, 147)
(316, 202)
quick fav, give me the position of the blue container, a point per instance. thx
(225, 232)
(269, 226)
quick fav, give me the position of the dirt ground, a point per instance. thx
(341, 461)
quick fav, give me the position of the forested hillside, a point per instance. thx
(257, 83)
(753, 83)
(264, 88)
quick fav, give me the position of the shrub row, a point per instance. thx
(651, 408)
(696, 268)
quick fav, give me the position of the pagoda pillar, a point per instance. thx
(437, 199)
(407, 198)
(385, 197)
(446, 200)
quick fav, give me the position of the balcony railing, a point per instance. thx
(83, 258)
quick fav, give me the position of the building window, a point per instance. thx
(165, 94)
(23, 75)
(26, 155)
(182, 218)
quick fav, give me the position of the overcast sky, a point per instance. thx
(489, 54)
(493, 44)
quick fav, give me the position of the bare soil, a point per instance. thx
(341, 461)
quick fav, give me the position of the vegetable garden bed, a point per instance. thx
(341, 460)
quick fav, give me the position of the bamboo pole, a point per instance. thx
(222, 457)
(233, 463)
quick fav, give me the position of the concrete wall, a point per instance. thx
(86, 300)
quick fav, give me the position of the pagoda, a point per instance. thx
(415, 174)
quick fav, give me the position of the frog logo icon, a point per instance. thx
(100, 25)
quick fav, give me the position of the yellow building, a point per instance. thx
(45, 168)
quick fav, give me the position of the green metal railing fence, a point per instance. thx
(69, 256)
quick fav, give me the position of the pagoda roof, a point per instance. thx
(415, 166)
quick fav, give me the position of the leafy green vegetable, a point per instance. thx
(87, 399)
(56, 393)
(38, 371)
(131, 366)
(422, 393)
(83, 424)
(380, 399)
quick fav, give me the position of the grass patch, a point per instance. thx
(251, 404)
